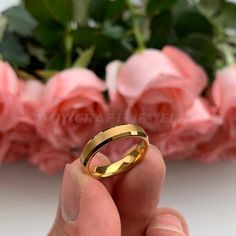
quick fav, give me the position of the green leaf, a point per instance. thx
(38, 52)
(115, 9)
(101, 10)
(3, 24)
(157, 6)
(112, 31)
(85, 58)
(81, 11)
(39, 10)
(201, 47)
(228, 55)
(50, 35)
(20, 21)
(61, 10)
(189, 22)
(210, 7)
(57, 62)
(182, 5)
(160, 28)
(50, 10)
(46, 74)
(227, 18)
(203, 51)
(24, 74)
(85, 37)
(12, 51)
(97, 9)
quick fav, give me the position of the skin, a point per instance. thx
(125, 204)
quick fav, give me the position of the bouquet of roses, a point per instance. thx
(72, 68)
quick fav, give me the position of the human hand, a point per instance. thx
(125, 204)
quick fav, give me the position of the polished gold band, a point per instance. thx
(128, 160)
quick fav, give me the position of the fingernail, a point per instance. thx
(168, 223)
(70, 195)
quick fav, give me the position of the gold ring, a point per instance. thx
(127, 161)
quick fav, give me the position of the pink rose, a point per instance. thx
(224, 96)
(17, 151)
(48, 158)
(155, 86)
(220, 147)
(11, 108)
(4, 146)
(8, 80)
(195, 126)
(118, 104)
(72, 108)
(23, 134)
(20, 138)
(31, 98)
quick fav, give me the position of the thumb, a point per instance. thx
(86, 207)
(167, 222)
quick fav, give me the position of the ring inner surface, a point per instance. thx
(128, 159)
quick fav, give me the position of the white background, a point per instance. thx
(204, 193)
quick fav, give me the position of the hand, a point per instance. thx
(121, 205)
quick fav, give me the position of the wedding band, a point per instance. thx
(127, 161)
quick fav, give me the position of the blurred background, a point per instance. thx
(204, 193)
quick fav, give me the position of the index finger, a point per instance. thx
(136, 192)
